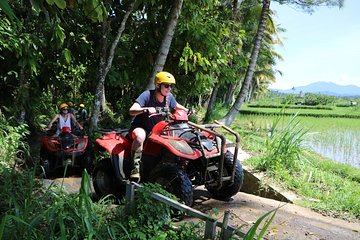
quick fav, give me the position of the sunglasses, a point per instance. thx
(65, 109)
(166, 85)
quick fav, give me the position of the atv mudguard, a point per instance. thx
(114, 144)
(175, 145)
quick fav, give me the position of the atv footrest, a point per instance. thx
(212, 168)
(229, 145)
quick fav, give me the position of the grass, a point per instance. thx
(329, 187)
(333, 189)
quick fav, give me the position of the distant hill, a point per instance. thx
(327, 88)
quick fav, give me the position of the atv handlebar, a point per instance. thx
(162, 111)
(167, 112)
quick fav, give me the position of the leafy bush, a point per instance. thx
(30, 211)
(34, 212)
(316, 99)
(11, 142)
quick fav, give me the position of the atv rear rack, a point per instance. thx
(224, 144)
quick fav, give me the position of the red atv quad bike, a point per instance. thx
(177, 154)
(67, 150)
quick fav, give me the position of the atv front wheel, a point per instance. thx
(174, 180)
(228, 190)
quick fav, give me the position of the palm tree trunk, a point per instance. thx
(229, 96)
(252, 91)
(166, 41)
(231, 115)
(211, 103)
(105, 65)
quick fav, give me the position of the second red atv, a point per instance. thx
(66, 150)
(178, 154)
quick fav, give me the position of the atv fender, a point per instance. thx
(175, 145)
(113, 144)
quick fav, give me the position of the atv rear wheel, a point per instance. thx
(103, 178)
(228, 190)
(174, 180)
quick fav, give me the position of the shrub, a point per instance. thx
(12, 143)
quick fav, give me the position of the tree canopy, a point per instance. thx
(56, 51)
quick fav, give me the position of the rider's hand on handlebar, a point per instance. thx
(150, 110)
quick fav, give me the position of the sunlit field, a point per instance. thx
(335, 138)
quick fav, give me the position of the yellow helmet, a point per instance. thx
(164, 77)
(70, 104)
(81, 105)
(63, 105)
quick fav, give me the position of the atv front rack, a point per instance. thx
(224, 144)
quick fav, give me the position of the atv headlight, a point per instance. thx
(81, 145)
(181, 146)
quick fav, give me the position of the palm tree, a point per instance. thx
(305, 5)
(230, 116)
(166, 41)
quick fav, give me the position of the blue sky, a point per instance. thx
(323, 46)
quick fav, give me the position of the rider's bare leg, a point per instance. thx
(138, 136)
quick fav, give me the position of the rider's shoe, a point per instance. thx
(135, 177)
(135, 172)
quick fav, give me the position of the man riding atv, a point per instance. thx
(145, 106)
(175, 153)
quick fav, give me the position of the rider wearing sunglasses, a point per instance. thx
(64, 118)
(146, 105)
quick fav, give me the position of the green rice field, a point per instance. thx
(348, 112)
(334, 138)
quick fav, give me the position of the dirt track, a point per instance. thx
(291, 221)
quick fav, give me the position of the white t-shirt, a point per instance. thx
(64, 121)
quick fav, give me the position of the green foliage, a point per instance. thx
(12, 143)
(218, 112)
(148, 219)
(289, 99)
(252, 231)
(34, 212)
(31, 211)
(4, 5)
(316, 99)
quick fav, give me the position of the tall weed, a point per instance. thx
(283, 144)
